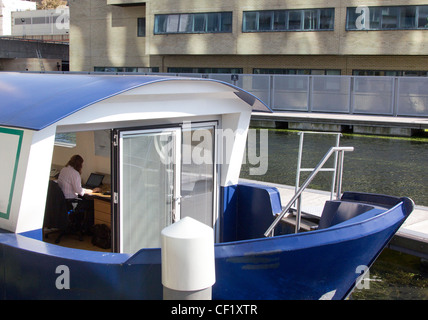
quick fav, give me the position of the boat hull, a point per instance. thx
(312, 265)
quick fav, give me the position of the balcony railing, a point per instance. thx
(369, 95)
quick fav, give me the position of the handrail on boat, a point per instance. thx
(337, 150)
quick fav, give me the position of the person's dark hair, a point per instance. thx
(76, 162)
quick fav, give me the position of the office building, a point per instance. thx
(251, 36)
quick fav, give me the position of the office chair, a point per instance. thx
(61, 214)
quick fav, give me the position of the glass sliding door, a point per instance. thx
(198, 173)
(161, 176)
(149, 186)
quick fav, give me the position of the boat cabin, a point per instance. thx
(166, 148)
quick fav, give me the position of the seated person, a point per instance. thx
(70, 181)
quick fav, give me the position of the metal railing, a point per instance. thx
(339, 172)
(368, 95)
(333, 169)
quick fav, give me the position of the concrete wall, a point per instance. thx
(30, 64)
(21, 55)
(27, 49)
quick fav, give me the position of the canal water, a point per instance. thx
(394, 166)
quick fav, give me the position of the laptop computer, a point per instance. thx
(94, 181)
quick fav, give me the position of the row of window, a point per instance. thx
(126, 69)
(213, 22)
(357, 18)
(332, 72)
(288, 20)
(36, 20)
(205, 70)
(253, 21)
(387, 18)
(256, 71)
(390, 73)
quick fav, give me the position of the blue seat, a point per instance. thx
(335, 212)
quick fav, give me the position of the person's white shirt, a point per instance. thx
(70, 182)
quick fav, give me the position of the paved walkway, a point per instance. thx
(343, 119)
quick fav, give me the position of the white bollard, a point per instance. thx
(188, 267)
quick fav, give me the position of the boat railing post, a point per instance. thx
(339, 173)
(299, 192)
(299, 213)
(188, 265)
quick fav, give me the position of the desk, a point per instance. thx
(102, 208)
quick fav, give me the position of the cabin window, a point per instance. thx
(67, 140)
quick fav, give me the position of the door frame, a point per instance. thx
(116, 176)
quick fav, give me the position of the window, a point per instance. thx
(422, 17)
(288, 20)
(311, 20)
(408, 18)
(214, 22)
(297, 71)
(387, 18)
(20, 21)
(141, 27)
(127, 69)
(295, 20)
(67, 140)
(326, 19)
(39, 20)
(204, 70)
(389, 73)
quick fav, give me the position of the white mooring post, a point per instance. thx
(188, 268)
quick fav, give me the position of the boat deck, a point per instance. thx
(411, 238)
(72, 241)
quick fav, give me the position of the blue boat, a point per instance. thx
(148, 121)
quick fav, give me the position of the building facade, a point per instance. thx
(335, 37)
(41, 22)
